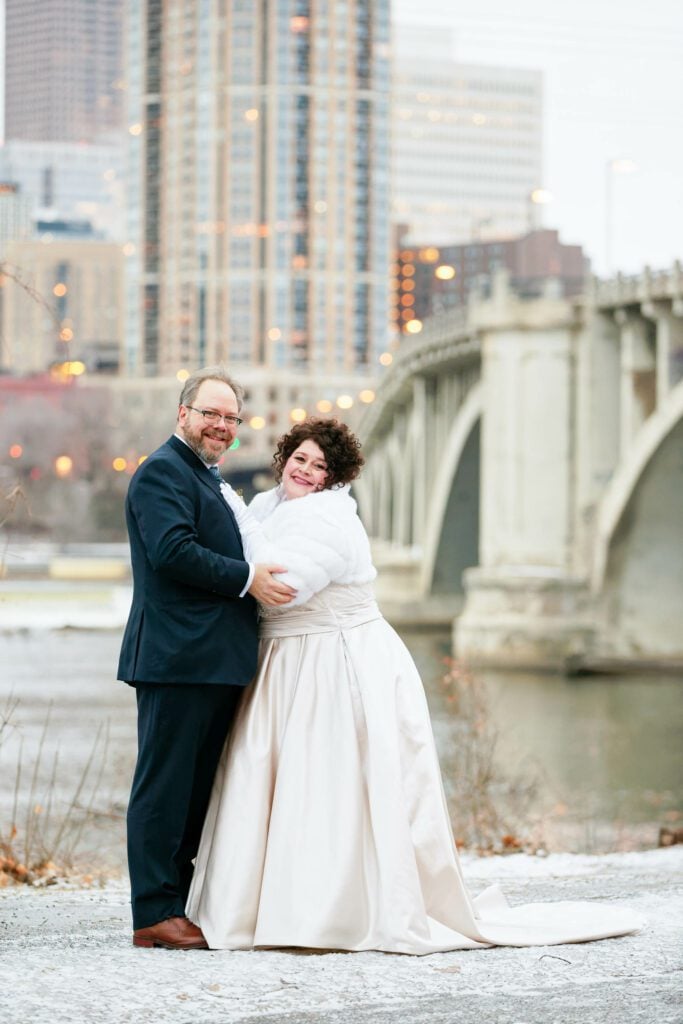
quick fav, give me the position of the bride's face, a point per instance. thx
(305, 471)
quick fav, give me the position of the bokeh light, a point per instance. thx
(63, 465)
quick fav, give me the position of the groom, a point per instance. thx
(189, 647)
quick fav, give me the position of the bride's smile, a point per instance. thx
(305, 470)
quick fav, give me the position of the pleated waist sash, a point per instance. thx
(334, 609)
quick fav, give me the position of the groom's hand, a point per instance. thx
(266, 589)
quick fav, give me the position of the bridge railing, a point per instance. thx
(648, 285)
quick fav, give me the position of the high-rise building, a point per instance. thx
(467, 144)
(63, 69)
(259, 190)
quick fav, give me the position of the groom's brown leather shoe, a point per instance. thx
(173, 933)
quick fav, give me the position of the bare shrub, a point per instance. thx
(41, 839)
(490, 808)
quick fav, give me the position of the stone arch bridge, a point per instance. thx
(525, 471)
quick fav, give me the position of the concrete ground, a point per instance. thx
(66, 956)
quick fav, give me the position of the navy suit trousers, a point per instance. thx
(181, 732)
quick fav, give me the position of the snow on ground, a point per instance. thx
(66, 955)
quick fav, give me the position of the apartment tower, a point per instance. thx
(259, 189)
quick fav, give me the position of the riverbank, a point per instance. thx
(66, 956)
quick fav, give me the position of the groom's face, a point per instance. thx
(209, 440)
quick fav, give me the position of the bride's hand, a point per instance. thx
(266, 589)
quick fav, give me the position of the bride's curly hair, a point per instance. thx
(340, 447)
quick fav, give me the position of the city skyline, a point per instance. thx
(626, 108)
(612, 121)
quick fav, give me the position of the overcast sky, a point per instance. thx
(613, 76)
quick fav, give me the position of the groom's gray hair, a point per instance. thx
(196, 379)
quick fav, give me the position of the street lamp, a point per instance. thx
(537, 197)
(613, 167)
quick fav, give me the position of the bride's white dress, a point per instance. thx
(328, 827)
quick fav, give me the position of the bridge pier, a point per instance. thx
(524, 607)
(520, 617)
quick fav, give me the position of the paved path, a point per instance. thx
(66, 956)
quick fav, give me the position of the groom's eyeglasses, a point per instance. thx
(212, 417)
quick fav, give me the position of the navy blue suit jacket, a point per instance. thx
(187, 623)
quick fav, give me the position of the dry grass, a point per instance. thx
(39, 843)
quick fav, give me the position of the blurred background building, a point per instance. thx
(467, 144)
(73, 180)
(63, 70)
(62, 163)
(15, 213)
(65, 303)
(259, 186)
(431, 280)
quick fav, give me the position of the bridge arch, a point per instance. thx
(638, 557)
(454, 501)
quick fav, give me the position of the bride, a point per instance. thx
(327, 826)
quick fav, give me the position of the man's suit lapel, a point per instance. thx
(209, 480)
(206, 477)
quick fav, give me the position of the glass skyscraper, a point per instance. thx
(258, 225)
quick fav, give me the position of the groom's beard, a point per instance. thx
(195, 440)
